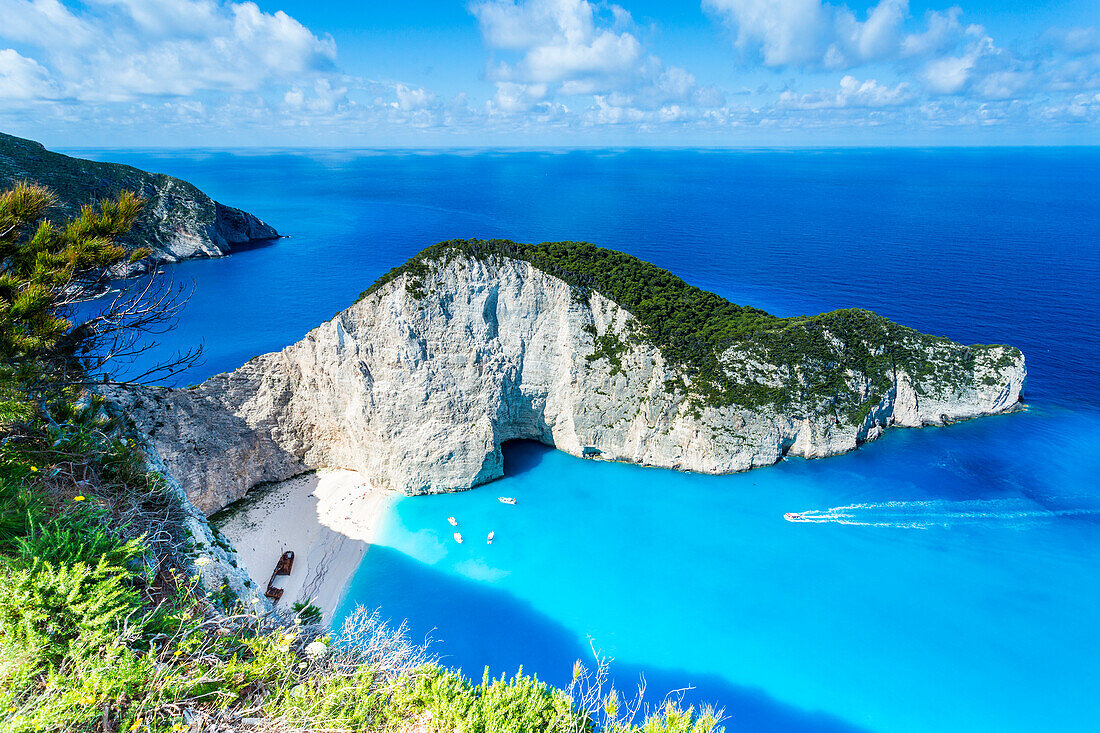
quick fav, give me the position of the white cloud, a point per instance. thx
(322, 98)
(565, 65)
(1079, 109)
(560, 42)
(169, 17)
(943, 55)
(409, 98)
(852, 93)
(875, 38)
(813, 33)
(943, 33)
(981, 69)
(1073, 60)
(512, 97)
(128, 49)
(950, 74)
(573, 48)
(45, 22)
(1074, 41)
(22, 78)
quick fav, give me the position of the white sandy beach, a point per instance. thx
(327, 519)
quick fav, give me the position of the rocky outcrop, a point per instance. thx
(419, 383)
(179, 220)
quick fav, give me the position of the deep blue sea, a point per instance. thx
(953, 580)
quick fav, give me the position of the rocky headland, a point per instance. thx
(179, 221)
(474, 343)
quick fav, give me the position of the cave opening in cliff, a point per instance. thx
(521, 456)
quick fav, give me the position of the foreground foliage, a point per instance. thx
(101, 629)
(103, 624)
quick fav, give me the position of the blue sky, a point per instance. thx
(525, 73)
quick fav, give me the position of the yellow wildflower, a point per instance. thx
(78, 498)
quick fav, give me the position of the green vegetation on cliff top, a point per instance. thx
(693, 329)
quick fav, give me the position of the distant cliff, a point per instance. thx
(179, 220)
(473, 343)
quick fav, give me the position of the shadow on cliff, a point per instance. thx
(474, 625)
(521, 456)
(251, 244)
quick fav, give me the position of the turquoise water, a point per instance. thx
(984, 619)
(949, 578)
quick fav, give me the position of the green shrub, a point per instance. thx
(67, 581)
(72, 696)
(517, 705)
(20, 507)
(307, 613)
(674, 719)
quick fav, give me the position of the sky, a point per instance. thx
(549, 73)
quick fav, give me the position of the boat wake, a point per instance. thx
(938, 513)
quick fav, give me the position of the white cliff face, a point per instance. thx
(418, 387)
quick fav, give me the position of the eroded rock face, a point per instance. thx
(418, 387)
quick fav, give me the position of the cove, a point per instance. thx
(977, 615)
(955, 596)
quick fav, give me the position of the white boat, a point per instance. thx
(489, 539)
(453, 521)
(506, 500)
(458, 538)
(794, 517)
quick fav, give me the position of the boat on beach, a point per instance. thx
(458, 538)
(506, 500)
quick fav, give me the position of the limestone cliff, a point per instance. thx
(179, 220)
(420, 382)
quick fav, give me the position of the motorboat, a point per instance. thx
(458, 538)
(794, 517)
(453, 521)
(506, 500)
(489, 539)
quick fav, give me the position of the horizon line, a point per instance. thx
(548, 148)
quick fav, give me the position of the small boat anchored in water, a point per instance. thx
(453, 521)
(489, 539)
(458, 538)
(506, 500)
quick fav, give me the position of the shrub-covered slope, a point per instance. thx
(179, 221)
